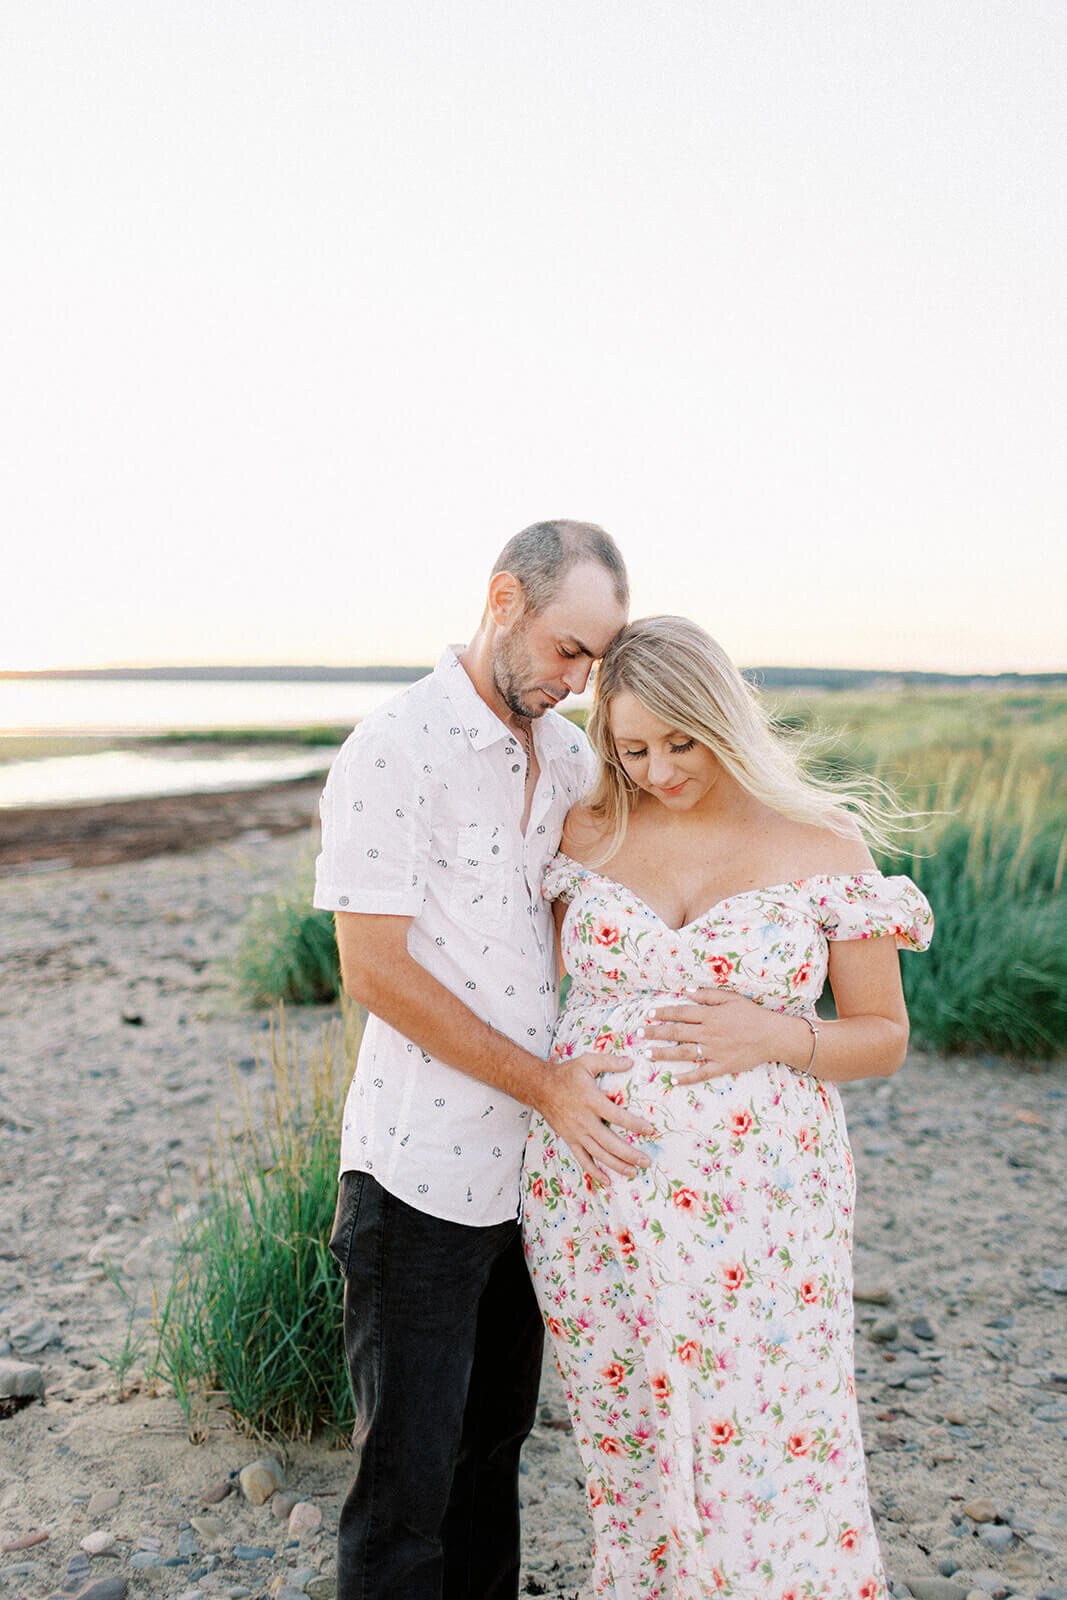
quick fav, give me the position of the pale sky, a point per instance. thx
(308, 306)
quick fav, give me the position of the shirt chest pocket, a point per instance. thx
(483, 878)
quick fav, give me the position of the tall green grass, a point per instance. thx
(254, 1308)
(287, 950)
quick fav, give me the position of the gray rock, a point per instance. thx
(995, 1536)
(883, 1331)
(947, 1566)
(1042, 1547)
(923, 1328)
(300, 1577)
(282, 1503)
(30, 1338)
(111, 1588)
(146, 1558)
(322, 1588)
(103, 1501)
(187, 1543)
(1054, 1278)
(19, 1379)
(261, 1479)
(936, 1588)
(289, 1591)
(252, 1552)
(78, 1565)
(871, 1294)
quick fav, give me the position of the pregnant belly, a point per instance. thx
(768, 1118)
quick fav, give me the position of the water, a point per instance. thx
(92, 707)
(148, 705)
(131, 775)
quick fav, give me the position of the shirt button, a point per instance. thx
(496, 849)
(515, 768)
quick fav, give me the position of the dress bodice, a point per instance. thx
(770, 943)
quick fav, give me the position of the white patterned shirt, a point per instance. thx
(421, 818)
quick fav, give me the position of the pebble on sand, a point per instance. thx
(982, 1510)
(99, 1543)
(103, 1501)
(305, 1517)
(26, 1542)
(218, 1491)
(282, 1503)
(261, 1479)
(932, 1588)
(19, 1379)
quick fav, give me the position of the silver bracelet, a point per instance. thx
(814, 1046)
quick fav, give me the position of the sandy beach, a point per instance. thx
(122, 1040)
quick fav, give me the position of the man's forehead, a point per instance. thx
(586, 614)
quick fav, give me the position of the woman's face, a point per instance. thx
(661, 760)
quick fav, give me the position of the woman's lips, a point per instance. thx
(677, 788)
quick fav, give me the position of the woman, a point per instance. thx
(701, 1313)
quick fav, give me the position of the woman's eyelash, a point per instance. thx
(676, 750)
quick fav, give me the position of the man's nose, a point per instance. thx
(577, 676)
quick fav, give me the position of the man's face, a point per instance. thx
(539, 660)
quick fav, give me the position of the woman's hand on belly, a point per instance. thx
(720, 1033)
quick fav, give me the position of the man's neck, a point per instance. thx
(476, 661)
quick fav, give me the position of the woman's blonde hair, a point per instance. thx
(681, 675)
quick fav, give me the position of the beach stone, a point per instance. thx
(252, 1552)
(980, 1510)
(261, 1479)
(288, 1591)
(25, 1541)
(322, 1588)
(996, 1536)
(19, 1379)
(300, 1577)
(217, 1492)
(947, 1566)
(208, 1527)
(187, 1543)
(282, 1503)
(78, 1565)
(304, 1518)
(936, 1588)
(110, 1588)
(31, 1337)
(99, 1543)
(145, 1558)
(884, 1331)
(103, 1501)
(872, 1294)
(923, 1328)
(1054, 1278)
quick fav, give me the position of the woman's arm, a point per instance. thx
(722, 1033)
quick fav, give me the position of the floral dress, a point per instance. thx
(701, 1313)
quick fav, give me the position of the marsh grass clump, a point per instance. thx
(288, 951)
(254, 1308)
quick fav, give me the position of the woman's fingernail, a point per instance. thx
(640, 1033)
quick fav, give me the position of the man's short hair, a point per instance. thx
(542, 555)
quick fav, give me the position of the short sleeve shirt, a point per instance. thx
(421, 817)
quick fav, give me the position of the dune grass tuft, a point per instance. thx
(254, 1308)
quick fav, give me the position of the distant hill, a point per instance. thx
(828, 678)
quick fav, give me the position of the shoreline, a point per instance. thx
(47, 838)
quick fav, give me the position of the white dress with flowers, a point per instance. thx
(701, 1314)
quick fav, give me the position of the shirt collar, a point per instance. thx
(553, 734)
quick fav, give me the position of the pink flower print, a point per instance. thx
(721, 1432)
(732, 1277)
(720, 967)
(806, 1139)
(606, 933)
(611, 1447)
(661, 1387)
(614, 1372)
(798, 1444)
(685, 1199)
(603, 1041)
(740, 1123)
(801, 975)
(809, 1291)
(869, 1590)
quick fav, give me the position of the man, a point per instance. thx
(439, 816)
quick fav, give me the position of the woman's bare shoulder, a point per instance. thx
(819, 852)
(584, 835)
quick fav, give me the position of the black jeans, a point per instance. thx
(443, 1339)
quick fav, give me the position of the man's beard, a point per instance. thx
(511, 663)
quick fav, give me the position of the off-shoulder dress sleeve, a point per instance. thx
(562, 878)
(868, 905)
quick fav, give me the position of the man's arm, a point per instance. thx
(379, 971)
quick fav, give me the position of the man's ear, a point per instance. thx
(506, 599)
